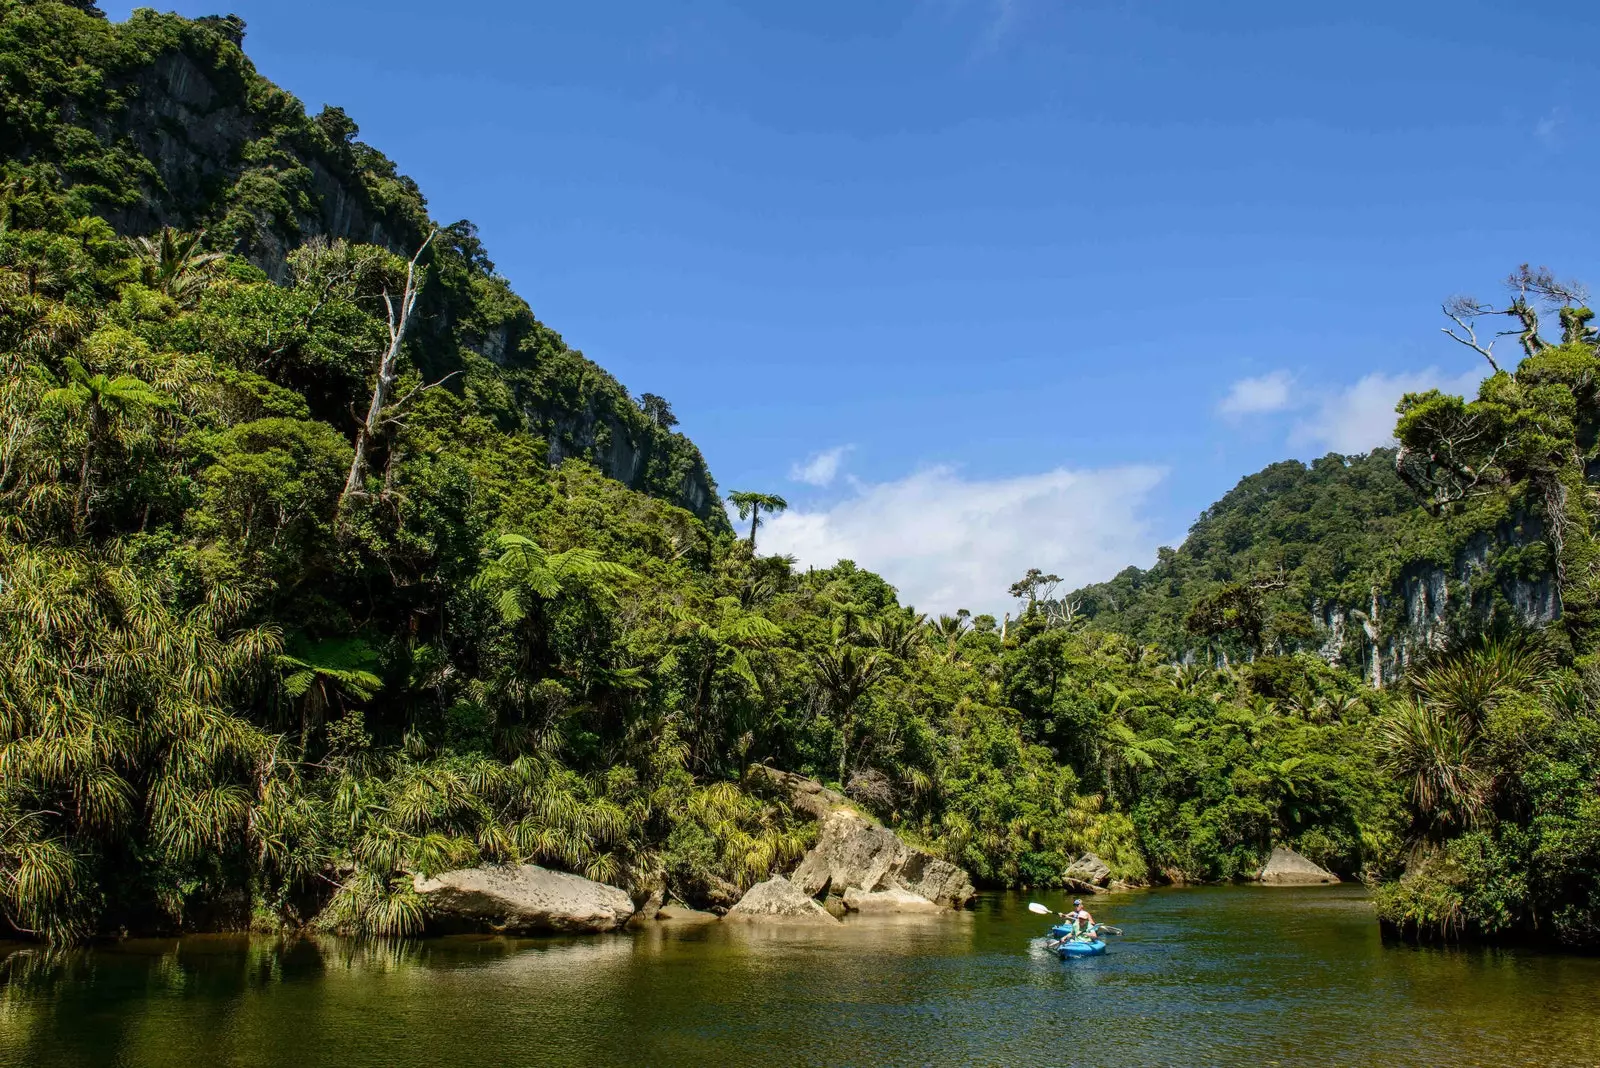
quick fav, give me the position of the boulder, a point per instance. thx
(778, 899)
(649, 908)
(1089, 869)
(684, 914)
(1287, 868)
(520, 899)
(894, 901)
(853, 852)
(806, 796)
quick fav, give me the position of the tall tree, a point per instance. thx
(751, 505)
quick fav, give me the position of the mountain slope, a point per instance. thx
(163, 121)
(1287, 559)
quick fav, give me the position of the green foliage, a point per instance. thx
(230, 700)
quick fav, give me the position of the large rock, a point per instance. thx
(853, 852)
(806, 796)
(1091, 870)
(779, 899)
(521, 899)
(1287, 868)
(888, 902)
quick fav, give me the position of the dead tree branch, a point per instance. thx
(379, 411)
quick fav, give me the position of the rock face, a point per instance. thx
(804, 795)
(888, 902)
(853, 852)
(1287, 868)
(521, 899)
(779, 899)
(1090, 869)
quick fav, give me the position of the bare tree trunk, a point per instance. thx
(399, 315)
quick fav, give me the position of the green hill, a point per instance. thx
(1284, 561)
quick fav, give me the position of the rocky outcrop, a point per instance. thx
(778, 899)
(852, 852)
(649, 908)
(1089, 871)
(684, 914)
(1287, 868)
(891, 902)
(806, 796)
(520, 899)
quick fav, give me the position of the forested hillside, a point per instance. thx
(1341, 558)
(324, 564)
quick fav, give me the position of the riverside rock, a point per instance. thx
(521, 899)
(806, 796)
(894, 901)
(1287, 868)
(778, 899)
(1090, 869)
(853, 852)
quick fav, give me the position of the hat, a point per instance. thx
(1077, 901)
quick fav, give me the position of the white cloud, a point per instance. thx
(1361, 417)
(820, 469)
(1260, 395)
(948, 542)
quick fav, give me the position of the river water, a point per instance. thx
(1235, 975)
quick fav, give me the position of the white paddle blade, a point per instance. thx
(1034, 906)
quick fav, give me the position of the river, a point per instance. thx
(1227, 975)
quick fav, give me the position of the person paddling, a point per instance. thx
(1082, 922)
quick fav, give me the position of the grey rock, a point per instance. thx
(520, 899)
(806, 796)
(853, 852)
(649, 909)
(1090, 869)
(778, 899)
(894, 901)
(1287, 868)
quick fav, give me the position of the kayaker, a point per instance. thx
(1079, 917)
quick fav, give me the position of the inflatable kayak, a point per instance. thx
(1069, 945)
(1081, 947)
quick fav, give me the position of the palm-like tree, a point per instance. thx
(898, 634)
(1432, 750)
(845, 673)
(318, 674)
(947, 632)
(525, 573)
(108, 403)
(751, 505)
(173, 263)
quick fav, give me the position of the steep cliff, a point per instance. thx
(163, 121)
(1339, 558)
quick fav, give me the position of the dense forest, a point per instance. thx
(323, 562)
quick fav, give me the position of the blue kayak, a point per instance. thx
(1081, 947)
(1069, 945)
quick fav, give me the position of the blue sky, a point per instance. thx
(1010, 282)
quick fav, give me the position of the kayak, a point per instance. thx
(1068, 945)
(1080, 947)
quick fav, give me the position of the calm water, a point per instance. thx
(1242, 975)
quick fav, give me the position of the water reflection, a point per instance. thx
(1203, 976)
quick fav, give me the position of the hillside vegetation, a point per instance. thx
(323, 563)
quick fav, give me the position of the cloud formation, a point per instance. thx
(1361, 417)
(1272, 392)
(821, 468)
(949, 542)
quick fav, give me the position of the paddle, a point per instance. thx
(1035, 907)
